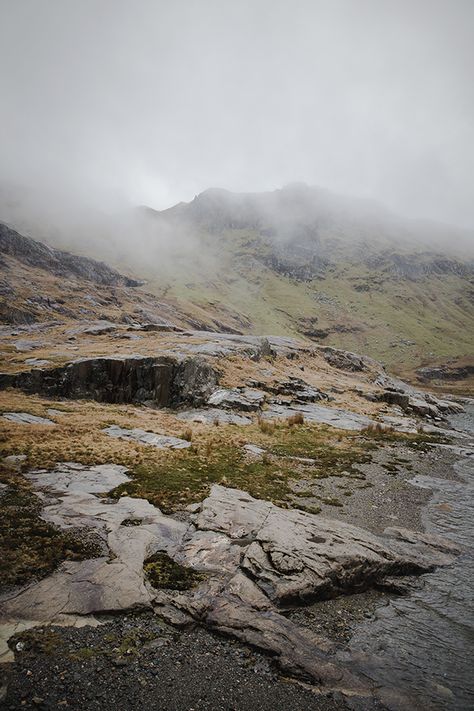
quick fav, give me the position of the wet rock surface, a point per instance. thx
(255, 555)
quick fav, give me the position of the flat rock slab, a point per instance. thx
(70, 477)
(37, 362)
(56, 413)
(295, 555)
(342, 419)
(247, 399)
(23, 346)
(24, 418)
(103, 584)
(254, 450)
(212, 415)
(143, 437)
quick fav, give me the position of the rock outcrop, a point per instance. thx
(414, 401)
(345, 360)
(164, 381)
(25, 418)
(341, 419)
(445, 372)
(253, 557)
(246, 399)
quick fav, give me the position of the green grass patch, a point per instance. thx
(186, 476)
(163, 572)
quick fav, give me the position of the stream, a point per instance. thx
(422, 644)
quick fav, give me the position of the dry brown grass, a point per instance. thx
(266, 426)
(373, 428)
(296, 419)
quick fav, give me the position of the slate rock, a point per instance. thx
(24, 418)
(143, 437)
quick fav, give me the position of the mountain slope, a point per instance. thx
(347, 273)
(297, 261)
(39, 283)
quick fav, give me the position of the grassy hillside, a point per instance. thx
(395, 300)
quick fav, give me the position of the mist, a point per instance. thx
(111, 104)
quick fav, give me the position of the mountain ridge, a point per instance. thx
(300, 261)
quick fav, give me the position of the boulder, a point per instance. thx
(246, 399)
(293, 555)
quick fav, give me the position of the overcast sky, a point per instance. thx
(157, 100)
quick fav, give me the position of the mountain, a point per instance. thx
(39, 283)
(345, 272)
(298, 261)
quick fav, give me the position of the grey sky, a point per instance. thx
(157, 100)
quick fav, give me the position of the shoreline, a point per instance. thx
(59, 665)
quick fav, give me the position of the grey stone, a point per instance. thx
(294, 555)
(254, 450)
(298, 390)
(143, 437)
(102, 584)
(71, 477)
(24, 418)
(255, 554)
(246, 399)
(342, 419)
(212, 415)
(345, 360)
(23, 346)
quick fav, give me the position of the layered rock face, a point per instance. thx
(162, 381)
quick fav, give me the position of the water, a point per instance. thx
(422, 645)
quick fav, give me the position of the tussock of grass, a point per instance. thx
(266, 426)
(296, 419)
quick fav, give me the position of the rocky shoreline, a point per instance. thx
(193, 668)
